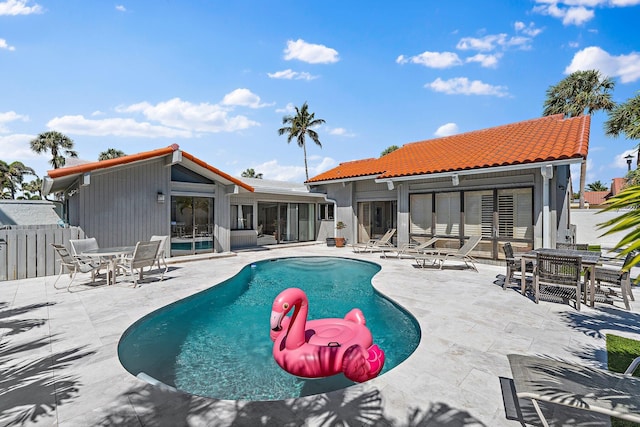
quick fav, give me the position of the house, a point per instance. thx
(168, 191)
(508, 183)
(28, 213)
(597, 199)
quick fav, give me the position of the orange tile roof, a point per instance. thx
(532, 141)
(596, 197)
(103, 164)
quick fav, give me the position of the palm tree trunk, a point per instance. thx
(583, 178)
(306, 169)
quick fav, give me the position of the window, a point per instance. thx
(241, 217)
(515, 216)
(420, 214)
(325, 211)
(448, 214)
(478, 213)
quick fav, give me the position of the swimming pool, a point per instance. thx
(216, 343)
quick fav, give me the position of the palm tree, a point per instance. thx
(625, 119)
(250, 173)
(389, 149)
(597, 186)
(54, 142)
(12, 175)
(111, 153)
(299, 127)
(579, 93)
(33, 188)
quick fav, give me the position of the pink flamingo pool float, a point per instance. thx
(323, 347)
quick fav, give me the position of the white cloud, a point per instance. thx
(311, 53)
(626, 67)
(114, 127)
(8, 117)
(5, 45)
(620, 161)
(243, 98)
(341, 132)
(203, 117)
(464, 86)
(288, 109)
(18, 7)
(16, 146)
(432, 59)
(289, 74)
(493, 41)
(121, 8)
(487, 61)
(529, 30)
(571, 12)
(273, 170)
(446, 130)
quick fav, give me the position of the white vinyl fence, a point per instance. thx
(26, 251)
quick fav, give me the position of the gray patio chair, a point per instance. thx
(514, 264)
(410, 250)
(558, 277)
(573, 246)
(441, 256)
(74, 265)
(162, 252)
(143, 256)
(576, 386)
(610, 279)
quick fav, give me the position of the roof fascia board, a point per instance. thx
(343, 180)
(496, 169)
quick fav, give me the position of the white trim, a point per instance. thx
(343, 180)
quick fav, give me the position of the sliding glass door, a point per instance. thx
(286, 222)
(191, 225)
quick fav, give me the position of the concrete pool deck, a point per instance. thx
(59, 363)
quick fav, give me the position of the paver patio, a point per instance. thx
(59, 363)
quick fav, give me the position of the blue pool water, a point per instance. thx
(216, 343)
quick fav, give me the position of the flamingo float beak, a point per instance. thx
(276, 320)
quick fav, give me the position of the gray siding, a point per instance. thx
(120, 207)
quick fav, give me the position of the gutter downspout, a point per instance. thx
(547, 175)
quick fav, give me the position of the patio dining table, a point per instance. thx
(589, 260)
(112, 254)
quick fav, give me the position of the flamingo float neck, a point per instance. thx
(296, 332)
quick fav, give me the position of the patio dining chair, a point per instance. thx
(144, 255)
(162, 252)
(611, 279)
(514, 264)
(78, 246)
(74, 265)
(558, 277)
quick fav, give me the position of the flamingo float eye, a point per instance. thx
(285, 305)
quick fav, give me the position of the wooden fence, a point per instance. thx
(26, 251)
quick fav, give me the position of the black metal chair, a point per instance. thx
(514, 264)
(558, 277)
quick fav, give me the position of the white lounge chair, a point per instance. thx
(411, 250)
(376, 244)
(74, 265)
(443, 255)
(576, 386)
(144, 255)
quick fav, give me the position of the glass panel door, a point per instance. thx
(191, 225)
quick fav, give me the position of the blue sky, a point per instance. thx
(217, 77)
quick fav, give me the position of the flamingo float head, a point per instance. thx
(283, 303)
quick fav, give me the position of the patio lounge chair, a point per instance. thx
(162, 252)
(576, 386)
(411, 250)
(376, 244)
(74, 265)
(144, 255)
(443, 255)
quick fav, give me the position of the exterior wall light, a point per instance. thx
(160, 198)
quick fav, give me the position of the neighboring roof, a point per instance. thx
(28, 212)
(617, 184)
(533, 141)
(596, 197)
(66, 175)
